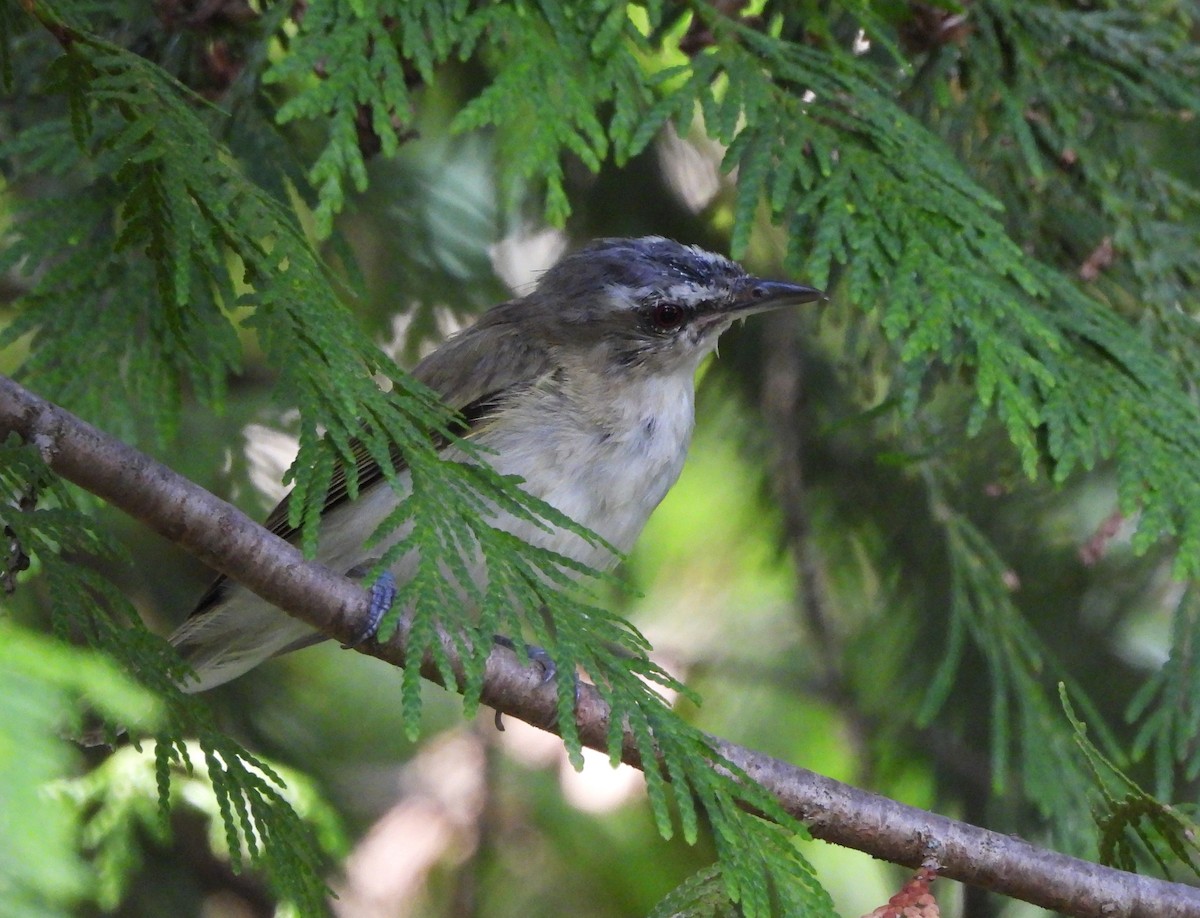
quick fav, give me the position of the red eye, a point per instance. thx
(667, 316)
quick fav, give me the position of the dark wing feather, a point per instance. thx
(369, 473)
(475, 371)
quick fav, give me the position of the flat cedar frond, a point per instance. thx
(261, 817)
(1167, 704)
(1131, 821)
(1028, 735)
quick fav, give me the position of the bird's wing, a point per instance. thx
(472, 372)
(471, 417)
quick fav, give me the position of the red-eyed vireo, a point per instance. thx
(584, 388)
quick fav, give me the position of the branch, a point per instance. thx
(231, 542)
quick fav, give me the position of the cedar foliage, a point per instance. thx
(947, 177)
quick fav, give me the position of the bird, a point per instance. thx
(584, 388)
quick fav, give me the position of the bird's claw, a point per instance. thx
(383, 594)
(535, 654)
(543, 659)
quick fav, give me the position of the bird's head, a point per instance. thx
(650, 304)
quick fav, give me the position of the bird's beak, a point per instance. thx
(762, 295)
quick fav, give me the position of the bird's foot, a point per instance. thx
(539, 656)
(383, 593)
(535, 653)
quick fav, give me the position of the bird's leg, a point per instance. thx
(383, 593)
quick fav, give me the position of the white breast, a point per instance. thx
(606, 468)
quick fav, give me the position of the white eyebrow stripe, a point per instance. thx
(688, 294)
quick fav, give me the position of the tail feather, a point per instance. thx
(234, 635)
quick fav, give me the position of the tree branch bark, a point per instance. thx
(229, 541)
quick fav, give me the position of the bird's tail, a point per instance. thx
(233, 635)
